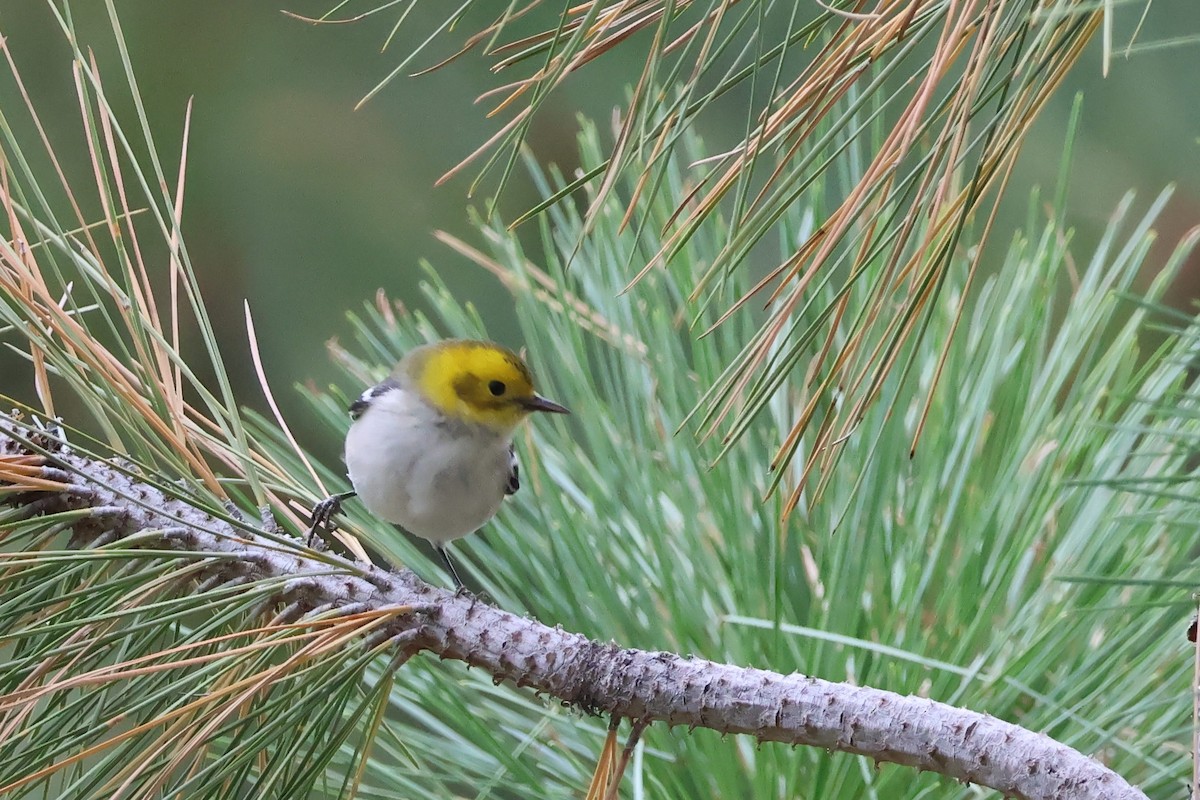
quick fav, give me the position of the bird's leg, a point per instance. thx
(324, 512)
(450, 567)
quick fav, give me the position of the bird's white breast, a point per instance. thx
(436, 478)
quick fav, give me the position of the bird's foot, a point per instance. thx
(323, 514)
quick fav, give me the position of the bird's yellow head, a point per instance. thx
(474, 381)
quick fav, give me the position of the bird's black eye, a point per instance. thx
(497, 388)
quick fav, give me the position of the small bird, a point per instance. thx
(430, 448)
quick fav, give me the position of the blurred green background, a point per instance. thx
(305, 207)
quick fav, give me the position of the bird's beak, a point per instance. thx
(539, 403)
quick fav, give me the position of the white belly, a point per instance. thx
(436, 482)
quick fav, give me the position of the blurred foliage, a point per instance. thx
(896, 124)
(287, 180)
(295, 201)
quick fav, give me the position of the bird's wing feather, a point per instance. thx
(514, 478)
(366, 398)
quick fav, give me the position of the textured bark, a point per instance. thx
(597, 677)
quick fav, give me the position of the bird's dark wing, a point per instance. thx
(514, 477)
(364, 401)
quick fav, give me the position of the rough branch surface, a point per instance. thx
(598, 677)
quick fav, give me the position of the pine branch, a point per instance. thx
(599, 678)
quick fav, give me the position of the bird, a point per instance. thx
(430, 448)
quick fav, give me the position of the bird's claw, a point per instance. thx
(323, 514)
